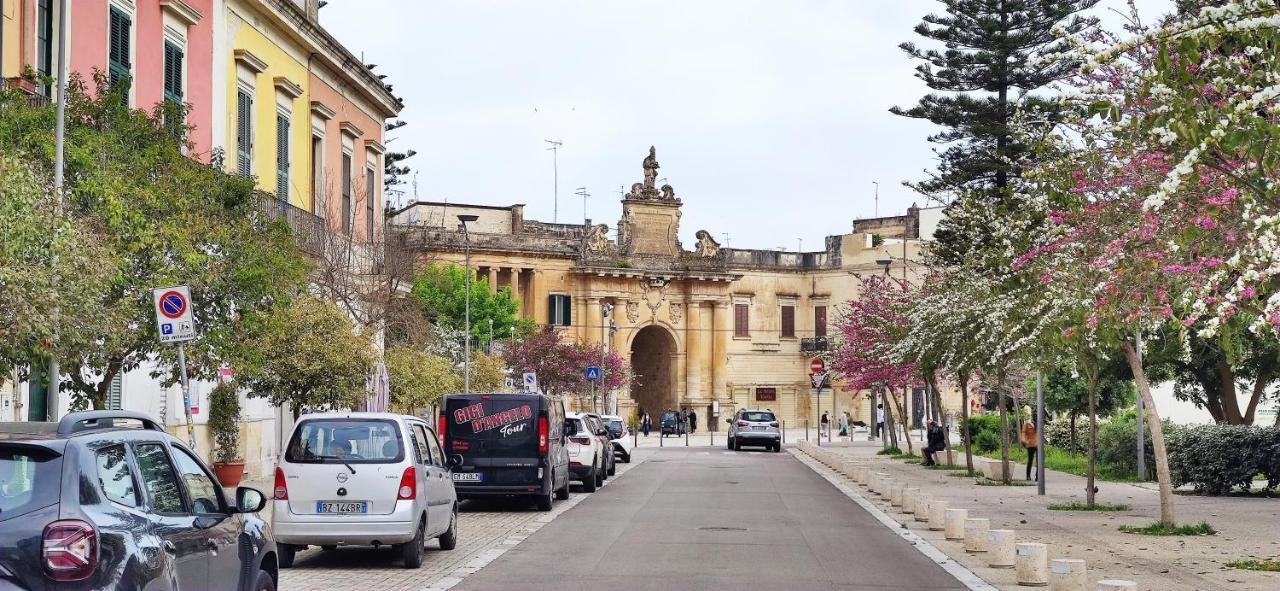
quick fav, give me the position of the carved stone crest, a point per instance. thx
(676, 310)
(659, 285)
(633, 312)
(597, 239)
(707, 246)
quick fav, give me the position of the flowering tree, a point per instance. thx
(561, 367)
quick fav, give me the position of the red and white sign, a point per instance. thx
(817, 366)
(224, 375)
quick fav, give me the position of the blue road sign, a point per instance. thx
(593, 373)
(166, 328)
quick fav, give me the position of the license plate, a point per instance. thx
(759, 428)
(468, 477)
(342, 507)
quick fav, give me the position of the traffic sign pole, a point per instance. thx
(186, 395)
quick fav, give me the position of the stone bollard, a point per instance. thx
(975, 534)
(1067, 574)
(886, 485)
(895, 493)
(954, 524)
(878, 480)
(848, 467)
(1116, 585)
(1000, 548)
(873, 481)
(909, 496)
(863, 475)
(937, 515)
(1032, 564)
(922, 507)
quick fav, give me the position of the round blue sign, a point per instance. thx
(172, 304)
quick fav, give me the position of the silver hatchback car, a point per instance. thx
(755, 427)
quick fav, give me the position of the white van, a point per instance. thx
(363, 479)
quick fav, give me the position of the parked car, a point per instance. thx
(620, 437)
(586, 452)
(597, 426)
(108, 500)
(672, 424)
(363, 479)
(754, 427)
(507, 445)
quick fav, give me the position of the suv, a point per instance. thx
(620, 437)
(754, 427)
(586, 452)
(363, 479)
(597, 426)
(507, 445)
(108, 500)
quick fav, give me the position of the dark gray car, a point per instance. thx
(108, 500)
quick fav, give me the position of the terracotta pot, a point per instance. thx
(229, 474)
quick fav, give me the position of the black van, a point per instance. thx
(506, 445)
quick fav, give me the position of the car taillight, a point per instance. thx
(773, 424)
(581, 440)
(440, 431)
(543, 428)
(742, 423)
(408, 485)
(282, 489)
(70, 550)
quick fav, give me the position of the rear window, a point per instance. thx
(615, 428)
(758, 417)
(30, 478)
(573, 427)
(345, 441)
(497, 425)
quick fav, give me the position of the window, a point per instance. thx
(172, 73)
(740, 320)
(157, 475)
(244, 133)
(345, 441)
(317, 164)
(44, 42)
(766, 394)
(200, 487)
(819, 321)
(756, 416)
(788, 322)
(346, 193)
(420, 443)
(368, 200)
(118, 63)
(30, 479)
(282, 157)
(115, 476)
(436, 452)
(560, 310)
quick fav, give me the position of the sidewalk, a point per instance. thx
(1248, 528)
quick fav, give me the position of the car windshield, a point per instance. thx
(346, 441)
(30, 478)
(615, 428)
(758, 417)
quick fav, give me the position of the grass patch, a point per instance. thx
(1160, 529)
(943, 467)
(1063, 461)
(1079, 506)
(889, 451)
(1272, 566)
(914, 460)
(959, 474)
(984, 481)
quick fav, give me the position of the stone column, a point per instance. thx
(493, 279)
(722, 327)
(515, 288)
(537, 300)
(696, 350)
(591, 324)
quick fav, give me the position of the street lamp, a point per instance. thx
(885, 263)
(489, 345)
(606, 320)
(466, 348)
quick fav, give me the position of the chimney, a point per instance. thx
(313, 10)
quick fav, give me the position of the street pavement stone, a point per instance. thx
(487, 529)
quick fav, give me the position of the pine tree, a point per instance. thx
(987, 69)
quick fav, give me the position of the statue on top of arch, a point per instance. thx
(648, 190)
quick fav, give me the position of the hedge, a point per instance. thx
(1214, 459)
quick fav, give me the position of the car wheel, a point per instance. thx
(626, 458)
(563, 493)
(544, 500)
(264, 582)
(413, 550)
(285, 554)
(777, 447)
(601, 476)
(728, 442)
(449, 539)
(591, 481)
(613, 466)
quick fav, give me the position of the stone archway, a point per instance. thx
(653, 361)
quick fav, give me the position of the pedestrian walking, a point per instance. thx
(693, 422)
(937, 443)
(644, 423)
(843, 424)
(880, 420)
(1030, 439)
(826, 424)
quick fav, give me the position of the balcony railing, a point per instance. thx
(309, 231)
(813, 344)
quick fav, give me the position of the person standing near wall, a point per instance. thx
(1030, 439)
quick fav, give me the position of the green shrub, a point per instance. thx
(1058, 434)
(1117, 442)
(1270, 454)
(987, 441)
(224, 423)
(1214, 459)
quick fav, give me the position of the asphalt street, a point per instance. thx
(703, 518)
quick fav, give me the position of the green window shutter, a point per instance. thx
(115, 393)
(282, 157)
(346, 194)
(118, 65)
(244, 135)
(172, 73)
(552, 308)
(368, 200)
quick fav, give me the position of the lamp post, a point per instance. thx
(606, 313)
(466, 347)
(489, 345)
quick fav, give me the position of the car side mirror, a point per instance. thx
(455, 460)
(729, 421)
(249, 500)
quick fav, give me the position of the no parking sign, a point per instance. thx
(173, 314)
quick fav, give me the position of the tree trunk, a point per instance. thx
(1259, 389)
(905, 424)
(1005, 475)
(964, 431)
(1227, 385)
(1073, 422)
(1157, 433)
(890, 430)
(938, 414)
(1093, 438)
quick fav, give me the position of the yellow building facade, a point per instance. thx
(708, 328)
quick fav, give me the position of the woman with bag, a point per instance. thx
(1030, 439)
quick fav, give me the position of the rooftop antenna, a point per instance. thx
(415, 186)
(726, 239)
(555, 171)
(799, 244)
(877, 184)
(622, 194)
(582, 192)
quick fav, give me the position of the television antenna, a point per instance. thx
(555, 171)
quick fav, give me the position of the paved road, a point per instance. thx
(699, 518)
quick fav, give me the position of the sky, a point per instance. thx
(770, 117)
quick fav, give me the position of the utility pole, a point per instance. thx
(466, 348)
(1040, 433)
(877, 184)
(489, 346)
(555, 171)
(582, 192)
(53, 400)
(1138, 427)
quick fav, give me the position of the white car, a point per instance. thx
(620, 437)
(363, 479)
(587, 453)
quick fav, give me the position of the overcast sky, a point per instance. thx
(770, 117)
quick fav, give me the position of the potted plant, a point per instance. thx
(224, 425)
